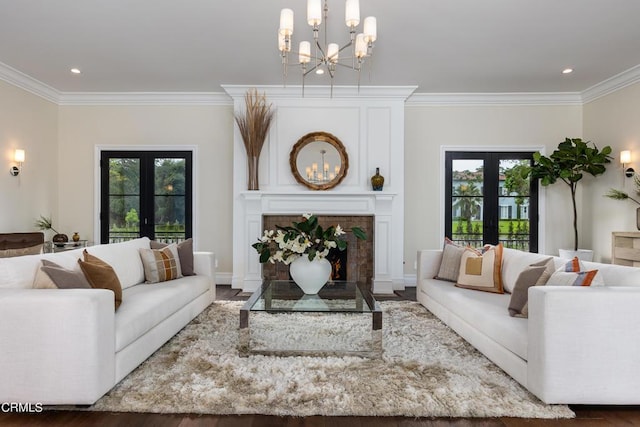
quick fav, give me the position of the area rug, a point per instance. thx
(426, 370)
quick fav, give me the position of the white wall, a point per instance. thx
(612, 120)
(59, 141)
(29, 122)
(209, 128)
(427, 128)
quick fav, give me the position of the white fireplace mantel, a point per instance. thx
(370, 125)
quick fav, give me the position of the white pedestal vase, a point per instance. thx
(311, 276)
(583, 254)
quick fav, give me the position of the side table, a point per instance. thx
(52, 247)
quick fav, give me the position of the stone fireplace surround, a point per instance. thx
(369, 121)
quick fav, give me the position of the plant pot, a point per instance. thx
(60, 238)
(311, 276)
(583, 254)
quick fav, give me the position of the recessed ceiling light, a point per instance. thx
(319, 71)
(567, 71)
(75, 71)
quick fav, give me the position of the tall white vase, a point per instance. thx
(311, 276)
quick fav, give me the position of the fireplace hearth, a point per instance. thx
(356, 262)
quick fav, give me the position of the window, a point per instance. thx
(488, 201)
(145, 193)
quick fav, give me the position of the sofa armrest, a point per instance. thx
(584, 344)
(204, 263)
(58, 345)
(428, 263)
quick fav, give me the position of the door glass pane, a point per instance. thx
(467, 201)
(169, 199)
(514, 201)
(124, 199)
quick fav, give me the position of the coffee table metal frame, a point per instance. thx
(333, 295)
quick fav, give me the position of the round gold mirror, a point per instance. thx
(319, 161)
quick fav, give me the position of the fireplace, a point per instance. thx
(357, 261)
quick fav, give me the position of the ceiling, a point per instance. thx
(442, 46)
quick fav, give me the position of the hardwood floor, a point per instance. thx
(590, 416)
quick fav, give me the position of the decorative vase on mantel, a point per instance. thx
(311, 276)
(377, 181)
(253, 126)
(252, 170)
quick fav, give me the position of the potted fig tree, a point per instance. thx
(569, 163)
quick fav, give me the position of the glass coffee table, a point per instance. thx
(342, 319)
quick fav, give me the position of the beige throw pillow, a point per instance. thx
(161, 265)
(64, 278)
(185, 253)
(450, 263)
(482, 272)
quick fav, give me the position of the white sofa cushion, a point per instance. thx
(145, 306)
(124, 258)
(514, 262)
(488, 312)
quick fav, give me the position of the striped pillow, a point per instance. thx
(161, 265)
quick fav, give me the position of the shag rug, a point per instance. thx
(426, 371)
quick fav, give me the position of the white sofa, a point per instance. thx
(580, 345)
(68, 346)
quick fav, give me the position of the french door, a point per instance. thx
(488, 201)
(145, 193)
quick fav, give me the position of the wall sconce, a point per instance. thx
(18, 157)
(625, 158)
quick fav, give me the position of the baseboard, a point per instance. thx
(223, 278)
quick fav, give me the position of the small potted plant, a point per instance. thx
(568, 163)
(621, 195)
(44, 223)
(304, 246)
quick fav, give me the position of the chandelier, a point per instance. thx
(322, 176)
(327, 56)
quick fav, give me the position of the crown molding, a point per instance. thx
(28, 83)
(612, 84)
(144, 98)
(323, 92)
(36, 87)
(488, 99)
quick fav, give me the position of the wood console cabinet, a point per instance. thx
(625, 248)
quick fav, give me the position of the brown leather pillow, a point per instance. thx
(101, 275)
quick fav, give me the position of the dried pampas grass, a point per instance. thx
(255, 122)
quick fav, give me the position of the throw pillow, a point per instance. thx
(536, 274)
(63, 278)
(567, 275)
(481, 272)
(185, 253)
(30, 250)
(450, 264)
(101, 276)
(161, 265)
(579, 278)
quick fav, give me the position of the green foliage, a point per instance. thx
(131, 219)
(621, 195)
(44, 223)
(517, 181)
(569, 163)
(306, 237)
